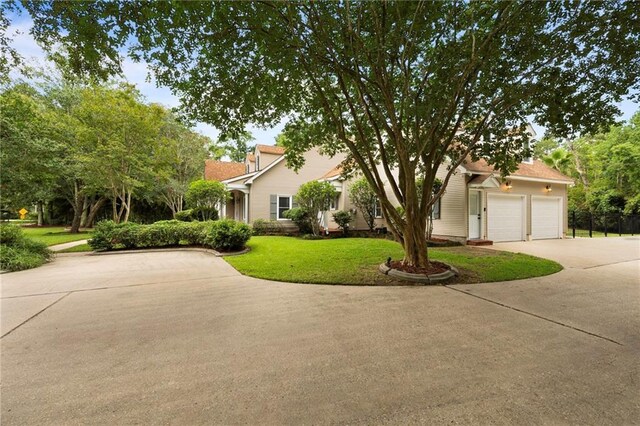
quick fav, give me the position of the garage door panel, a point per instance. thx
(505, 218)
(545, 218)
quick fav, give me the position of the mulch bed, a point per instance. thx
(434, 268)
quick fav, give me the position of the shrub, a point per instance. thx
(204, 213)
(301, 218)
(222, 235)
(314, 197)
(205, 195)
(342, 219)
(17, 252)
(267, 227)
(228, 235)
(185, 215)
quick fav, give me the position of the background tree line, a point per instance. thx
(605, 167)
(94, 149)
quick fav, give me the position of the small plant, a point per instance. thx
(314, 198)
(301, 218)
(342, 218)
(228, 235)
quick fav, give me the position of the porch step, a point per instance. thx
(479, 242)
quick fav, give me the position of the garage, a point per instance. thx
(546, 218)
(505, 217)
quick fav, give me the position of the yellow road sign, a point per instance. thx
(23, 212)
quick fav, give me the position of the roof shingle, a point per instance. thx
(270, 149)
(221, 170)
(537, 169)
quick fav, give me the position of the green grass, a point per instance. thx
(54, 235)
(356, 261)
(77, 249)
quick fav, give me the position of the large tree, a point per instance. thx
(406, 86)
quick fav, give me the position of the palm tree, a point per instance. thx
(559, 159)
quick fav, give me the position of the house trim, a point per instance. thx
(266, 169)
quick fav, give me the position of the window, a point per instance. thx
(435, 210)
(528, 160)
(257, 162)
(333, 204)
(377, 209)
(247, 168)
(284, 204)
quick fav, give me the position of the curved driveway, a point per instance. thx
(181, 337)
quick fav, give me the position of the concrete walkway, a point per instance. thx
(181, 337)
(64, 246)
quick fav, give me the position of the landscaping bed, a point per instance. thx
(355, 261)
(17, 252)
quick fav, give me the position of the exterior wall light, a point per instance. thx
(547, 188)
(508, 184)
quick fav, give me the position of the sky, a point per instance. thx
(137, 73)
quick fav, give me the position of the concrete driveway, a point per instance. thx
(182, 338)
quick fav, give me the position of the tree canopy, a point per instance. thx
(406, 86)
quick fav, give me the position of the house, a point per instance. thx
(477, 204)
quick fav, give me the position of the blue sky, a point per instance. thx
(137, 73)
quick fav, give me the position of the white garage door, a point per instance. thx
(546, 218)
(505, 217)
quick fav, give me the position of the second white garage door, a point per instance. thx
(505, 217)
(546, 218)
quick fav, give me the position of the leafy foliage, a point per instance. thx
(314, 198)
(267, 227)
(364, 198)
(342, 218)
(301, 218)
(17, 252)
(225, 235)
(203, 196)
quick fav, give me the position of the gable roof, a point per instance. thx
(221, 170)
(250, 158)
(266, 169)
(536, 169)
(270, 149)
(333, 173)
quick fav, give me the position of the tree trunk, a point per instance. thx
(415, 246)
(40, 212)
(85, 208)
(127, 207)
(78, 203)
(93, 212)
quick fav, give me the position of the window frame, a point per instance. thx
(334, 203)
(377, 209)
(278, 196)
(438, 203)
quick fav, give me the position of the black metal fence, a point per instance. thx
(586, 224)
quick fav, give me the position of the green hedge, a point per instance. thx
(17, 252)
(223, 235)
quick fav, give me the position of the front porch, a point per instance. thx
(237, 206)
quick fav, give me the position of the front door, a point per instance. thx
(475, 216)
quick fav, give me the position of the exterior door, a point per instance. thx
(475, 214)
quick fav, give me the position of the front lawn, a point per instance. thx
(356, 260)
(77, 249)
(52, 235)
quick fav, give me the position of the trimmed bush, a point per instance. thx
(267, 227)
(301, 218)
(228, 235)
(185, 216)
(342, 218)
(17, 252)
(222, 235)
